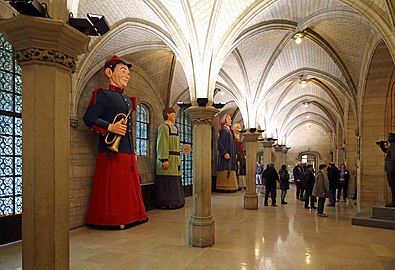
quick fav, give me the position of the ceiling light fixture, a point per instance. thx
(303, 83)
(298, 37)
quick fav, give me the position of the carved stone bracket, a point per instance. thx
(201, 115)
(45, 55)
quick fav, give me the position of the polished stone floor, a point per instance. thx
(283, 237)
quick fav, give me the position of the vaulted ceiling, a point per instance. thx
(250, 47)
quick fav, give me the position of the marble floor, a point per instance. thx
(282, 237)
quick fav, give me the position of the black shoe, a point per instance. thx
(284, 202)
(265, 204)
(274, 204)
(344, 200)
(330, 205)
(306, 207)
(313, 207)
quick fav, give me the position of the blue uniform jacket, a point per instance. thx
(105, 104)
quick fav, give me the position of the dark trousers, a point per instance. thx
(344, 187)
(321, 204)
(332, 198)
(283, 193)
(273, 195)
(309, 197)
(299, 189)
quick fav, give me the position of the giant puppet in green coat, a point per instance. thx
(168, 189)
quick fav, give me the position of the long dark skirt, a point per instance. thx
(116, 197)
(168, 192)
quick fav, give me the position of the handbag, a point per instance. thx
(327, 194)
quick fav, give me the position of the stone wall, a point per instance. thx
(314, 139)
(372, 185)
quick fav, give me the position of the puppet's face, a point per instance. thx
(236, 128)
(120, 76)
(171, 117)
(228, 121)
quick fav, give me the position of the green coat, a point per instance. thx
(168, 149)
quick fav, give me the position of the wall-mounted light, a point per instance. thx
(99, 22)
(183, 105)
(308, 116)
(298, 37)
(306, 104)
(202, 102)
(95, 26)
(30, 7)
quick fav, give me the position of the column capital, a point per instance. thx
(44, 41)
(285, 149)
(278, 148)
(251, 137)
(201, 115)
(267, 144)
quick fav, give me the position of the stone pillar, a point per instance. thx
(279, 153)
(284, 156)
(250, 197)
(201, 224)
(47, 51)
(267, 152)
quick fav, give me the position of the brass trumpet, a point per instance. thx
(114, 143)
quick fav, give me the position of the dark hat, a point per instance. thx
(391, 134)
(114, 61)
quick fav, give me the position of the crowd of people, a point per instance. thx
(311, 187)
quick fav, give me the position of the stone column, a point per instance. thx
(267, 152)
(250, 197)
(284, 156)
(279, 153)
(47, 51)
(201, 224)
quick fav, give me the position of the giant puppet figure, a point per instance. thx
(116, 198)
(227, 160)
(168, 189)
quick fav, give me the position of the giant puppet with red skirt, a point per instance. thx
(116, 198)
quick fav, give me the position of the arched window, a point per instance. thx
(142, 124)
(183, 122)
(10, 140)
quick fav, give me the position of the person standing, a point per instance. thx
(309, 181)
(271, 177)
(258, 172)
(284, 182)
(227, 160)
(168, 189)
(321, 188)
(344, 179)
(298, 178)
(241, 159)
(333, 176)
(116, 198)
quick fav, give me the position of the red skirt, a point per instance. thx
(116, 192)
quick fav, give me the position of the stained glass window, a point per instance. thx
(10, 131)
(184, 124)
(142, 124)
